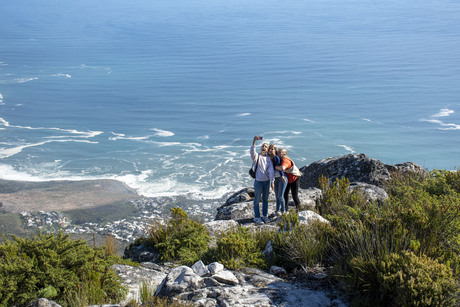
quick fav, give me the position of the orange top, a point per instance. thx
(287, 163)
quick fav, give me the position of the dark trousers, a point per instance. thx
(294, 188)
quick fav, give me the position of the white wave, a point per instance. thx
(121, 136)
(308, 120)
(24, 80)
(169, 187)
(162, 133)
(108, 70)
(443, 113)
(243, 114)
(286, 132)
(61, 75)
(4, 122)
(7, 172)
(1, 98)
(84, 134)
(8, 152)
(367, 119)
(444, 126)
(347, 148)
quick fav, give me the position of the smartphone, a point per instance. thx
(260, 137)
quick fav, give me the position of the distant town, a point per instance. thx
(127, 229)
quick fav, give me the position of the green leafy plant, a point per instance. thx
(180, 239)
(404, 280)
(416, 229)
(54, 266)
(240, 247)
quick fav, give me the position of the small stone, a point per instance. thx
(277, 271)
(215, 268)
(200, 269)
(226, 277)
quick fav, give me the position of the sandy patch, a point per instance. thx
(19, 196)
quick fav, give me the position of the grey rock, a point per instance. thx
(226, 277)
(371, 192)
(179, 280)
(141, 253)
(355, 167)
(308, 216)
(133, 277)
(152, 266)
(215, 267)
(211, 282)
(220, 226)
(243, 195)
(236, 211)
(43, 302)
(200, 269)
(268, 251)
(308, 197)
(407, 167)
(278, 271)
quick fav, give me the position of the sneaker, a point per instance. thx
(266, 219)
(278, 213)
(258, 221)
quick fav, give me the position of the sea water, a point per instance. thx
(167, 95)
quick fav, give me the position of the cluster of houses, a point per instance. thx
(127, 229)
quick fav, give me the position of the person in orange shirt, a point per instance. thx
(293, 182)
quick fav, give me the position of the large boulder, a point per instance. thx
(141, 253)
(134, 277)
(236, 211)
(407, 167)
(355, 167)
(371, 192)
(179, 280)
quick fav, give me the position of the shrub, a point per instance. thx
(57, 267)
(302, 246)
(239, 247)
(421, 216)
(404, 280)
(181, 239)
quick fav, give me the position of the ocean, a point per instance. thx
(166, 95)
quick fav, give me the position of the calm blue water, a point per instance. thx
(166, 95)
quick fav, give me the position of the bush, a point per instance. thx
(181, 239)
(52, 265)
(239, 247)
(418, 228)
(404, 280)
(303, 246)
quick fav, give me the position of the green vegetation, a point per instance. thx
(181, 239)
(238, 248)
(70, 272)
(11, 223)
(402, 252)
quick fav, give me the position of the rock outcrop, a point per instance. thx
(357, 168)
(214, 285)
